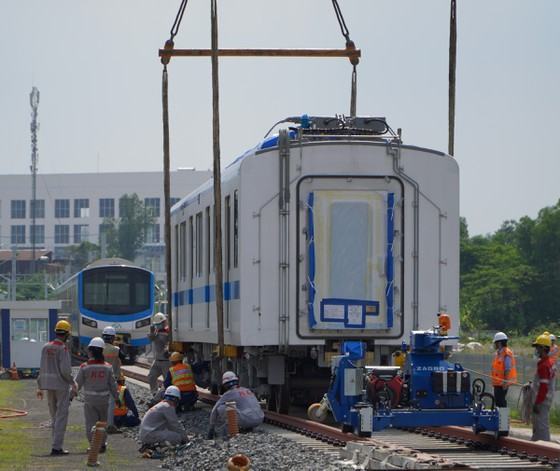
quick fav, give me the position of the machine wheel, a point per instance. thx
(316, 412)
(364, 434)
(347, 428)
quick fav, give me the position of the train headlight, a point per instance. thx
(143, 323)
(89, 322)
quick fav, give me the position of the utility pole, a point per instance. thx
(452, 75)
(34, 101)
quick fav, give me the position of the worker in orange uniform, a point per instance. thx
(126, 413)
(55, 376)
(180, 375)
(542, 388)
(504, 372)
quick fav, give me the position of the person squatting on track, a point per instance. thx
(159, 335)
(160, 423)
(55, 377)
(249, 412)
(504, 372)
(111, 353)
(180, 375)
(125, 415)
(96, 378)
(542, 389)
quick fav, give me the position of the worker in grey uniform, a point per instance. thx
(55, 376)
(111, 353)
(249, 412)
(159, 335)
(96, 378)
(160, 423)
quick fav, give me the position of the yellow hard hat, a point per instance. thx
(176, 356)
(543, 340)
(63, 326)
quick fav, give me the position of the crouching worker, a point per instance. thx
(160, 423)
(180, 375)
(96, 378)
(249, 412)
(126, 415)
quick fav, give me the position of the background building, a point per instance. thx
(71, 208)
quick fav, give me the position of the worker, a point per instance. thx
(553, 355)
(180, 375)
(504, 372)
(55, 377)
(159, 335)
(160, 424)
(543, 389)
(96, 378)
(111, 353)
(126, 415)
(249, 412)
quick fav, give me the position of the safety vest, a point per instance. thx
(182, 377)
(122, 410)
(499, 370)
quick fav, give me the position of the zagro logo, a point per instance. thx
(430, 368)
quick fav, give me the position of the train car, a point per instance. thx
(333, 229)
(109, 291)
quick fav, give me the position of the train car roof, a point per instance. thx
(103, 262)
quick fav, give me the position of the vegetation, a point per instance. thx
(510, 279)
(12, 431)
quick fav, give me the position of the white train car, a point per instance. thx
(333, 229)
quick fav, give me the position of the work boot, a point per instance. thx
(103, 448)
(60, 452)
(111, 429)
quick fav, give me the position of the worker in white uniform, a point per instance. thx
(55, 376)
(160, 423)
(249, 411)
(111, 353)
(159, 335)
(96, 378)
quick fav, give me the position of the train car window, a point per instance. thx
(207, 268)
(235, 230)
(183, 251)
(176, 252)
(212, 238)
(198, 243)
(116, 290)
(227, 238)
(191, 251)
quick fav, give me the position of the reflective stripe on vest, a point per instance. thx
(499, 369)
(122, 410)
(182, 377)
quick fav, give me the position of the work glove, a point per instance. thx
(536, 408)
(211, 434)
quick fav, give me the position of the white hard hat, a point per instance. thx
(229, 376)
(159, 318)
(500, 336)
(173, 391)
(552, 337)
(97, 342)
(109, 330)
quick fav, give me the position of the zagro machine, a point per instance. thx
(428, 391)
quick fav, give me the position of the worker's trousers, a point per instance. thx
(95, 412)
(159, 367)
(160, 436)
(111, 411)
(541, 430)
(59, 402)
(127, 420)
(500, 394)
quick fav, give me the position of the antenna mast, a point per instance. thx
(34, 101)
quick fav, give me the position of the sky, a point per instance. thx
(95, 64)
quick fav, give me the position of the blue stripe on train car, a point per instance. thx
(207, 294)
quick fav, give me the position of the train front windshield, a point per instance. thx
(116, 290)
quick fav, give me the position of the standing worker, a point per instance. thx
(55, 376)
(249, 411)
(111, 353)
(504, 372)
(159, 335)
(180, 375)
(543, 389)
(96, 377)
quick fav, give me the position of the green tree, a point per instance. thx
(83, 254)
(126, 235)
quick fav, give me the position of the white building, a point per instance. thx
(71, 208)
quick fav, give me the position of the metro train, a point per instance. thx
(110, 291)
(333, 229)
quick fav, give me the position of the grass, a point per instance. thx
(554, 419)
(12, 431)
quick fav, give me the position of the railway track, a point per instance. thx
(422, 448)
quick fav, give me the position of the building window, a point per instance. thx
(62, 234)
(18, 209)
(106, 207)
(18, 234)
(81, 208)
(152, 234)
(152, 206)
(38, 233)
(174, 200)
(81, 233)
(37, 209)
(61, 208)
